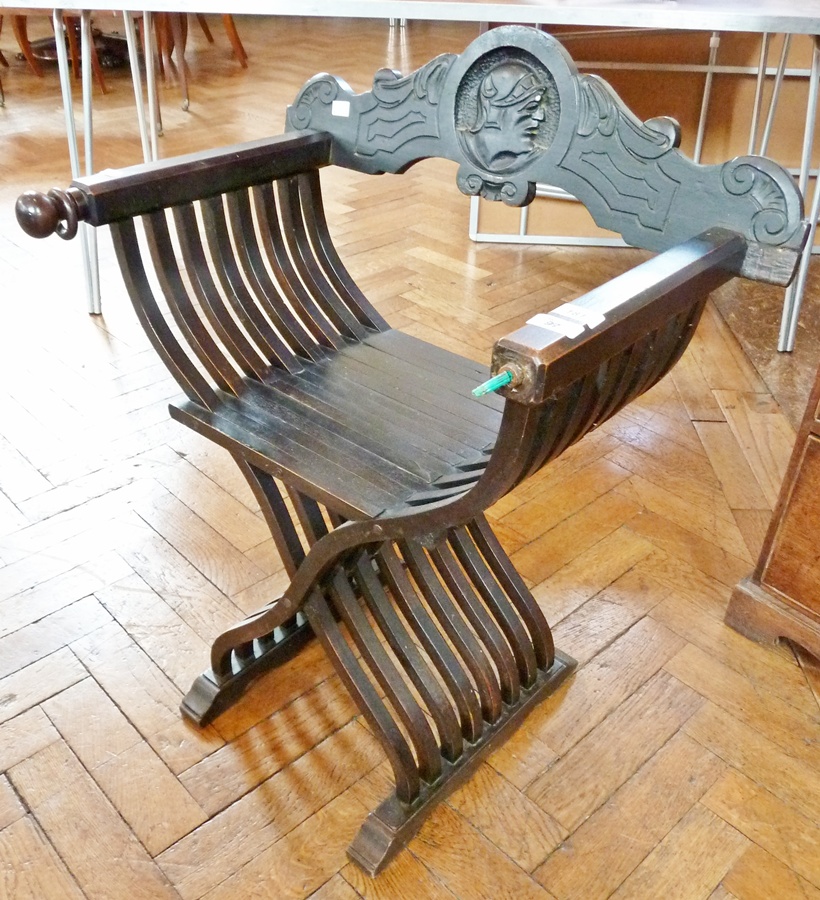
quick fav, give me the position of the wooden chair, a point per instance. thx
(370, 456)
(19, 21)
(172, 33)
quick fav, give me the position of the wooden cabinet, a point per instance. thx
(781, 598)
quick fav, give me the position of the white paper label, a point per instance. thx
(554, 323)
(587, 317)
(340, 108)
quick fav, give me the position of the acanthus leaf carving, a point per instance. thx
(405, 110)
(758, 179)
(617, 155)
(322, 90)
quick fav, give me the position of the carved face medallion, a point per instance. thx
(507, 110)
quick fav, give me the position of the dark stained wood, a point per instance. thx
(387, 461)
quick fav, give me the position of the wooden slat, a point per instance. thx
(85, 438)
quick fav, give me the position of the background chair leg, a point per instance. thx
(19, 26)
(236, 43)
(203, 24)
(179, 34)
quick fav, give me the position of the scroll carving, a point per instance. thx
(406, 108)
(513, 112)
(616, 156)
(776, 208)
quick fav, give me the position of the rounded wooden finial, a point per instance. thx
(37, 214)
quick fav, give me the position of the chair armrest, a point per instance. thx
(553, 350)
(146, 188)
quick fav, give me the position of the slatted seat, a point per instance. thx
(364, 430)
(371, 458)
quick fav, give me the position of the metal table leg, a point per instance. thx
(778, 83)
(794, 294)
(714, 44)
(89, 243)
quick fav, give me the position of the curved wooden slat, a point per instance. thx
(497, 601)
(518, 592)
(317, 230)
(565, 419)
(388, 676)
(186, 374)
(244, 306)
(245, 356)
(455, 628)
(182, 308)
(268, 213)
(276, 514)
(483, 625)
(309, 514)
(302, 254)
(408, 654)
(437, 649)
(267, 293)
(398, 751)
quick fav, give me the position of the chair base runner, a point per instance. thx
(389, 827)
(207, 697)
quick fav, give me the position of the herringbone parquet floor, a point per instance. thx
(681, 760)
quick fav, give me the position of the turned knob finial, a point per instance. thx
(41, 215)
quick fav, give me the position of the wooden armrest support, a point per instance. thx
(544, 360)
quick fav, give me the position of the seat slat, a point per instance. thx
(457, 439)
(456, 411)
(276, 413)
(337, 487)
(399, 426)
(348, 430)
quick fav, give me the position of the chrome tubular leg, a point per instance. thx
(136, 78)
(778, 83)
(761, 80)
(714, 44)
(794, 294)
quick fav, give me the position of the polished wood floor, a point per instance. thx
(681, 760)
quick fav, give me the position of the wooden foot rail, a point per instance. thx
(372, 458)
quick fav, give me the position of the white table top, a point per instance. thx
(794, 16)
